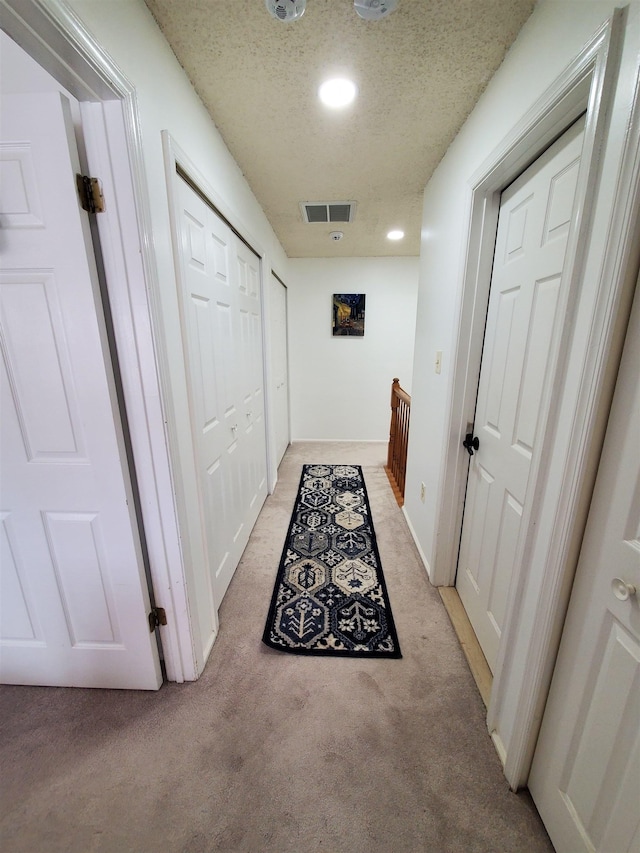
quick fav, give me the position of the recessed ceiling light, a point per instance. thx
(395, 235)
(337, 92)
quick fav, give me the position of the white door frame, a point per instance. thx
(276, 462)
(55, 38)
(587, 85)
(175, 157)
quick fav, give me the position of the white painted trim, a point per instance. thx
(267, 373)
(339, 440)
(269, 432)
(208, 646)
(421, 553)
(273, 468)
(615, 293)
(502, 752)
(173, 155)
(288, 342)
(51, 33)
(587, 84)
(267, 368)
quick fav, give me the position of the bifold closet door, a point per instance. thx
(222, 330)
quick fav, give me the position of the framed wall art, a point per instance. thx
(348, 314)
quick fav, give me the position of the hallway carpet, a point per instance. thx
(273, 753)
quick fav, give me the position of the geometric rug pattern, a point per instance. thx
(330, 596)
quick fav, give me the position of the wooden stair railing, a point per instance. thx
(396, 466)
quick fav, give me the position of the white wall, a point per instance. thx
(340, 386)
(167, 101)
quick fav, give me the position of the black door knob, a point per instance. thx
(471, 443)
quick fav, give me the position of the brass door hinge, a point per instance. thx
(157, 617)
(90, 193)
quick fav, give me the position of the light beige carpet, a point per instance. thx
(269, 752)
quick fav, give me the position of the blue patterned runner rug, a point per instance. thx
(330, 597)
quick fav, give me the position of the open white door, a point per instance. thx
(73, 594)
(585, 777)
(524, 325)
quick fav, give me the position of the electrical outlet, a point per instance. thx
(438, 364)
(423, 490)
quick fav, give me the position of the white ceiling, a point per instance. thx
(419, 73)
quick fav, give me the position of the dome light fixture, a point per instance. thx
(337, 93)
(395, 235)
(286, 10)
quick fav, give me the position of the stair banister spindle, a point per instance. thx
(398, 439)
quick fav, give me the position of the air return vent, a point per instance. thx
(328, 211)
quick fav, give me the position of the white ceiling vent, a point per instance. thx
(328, 211)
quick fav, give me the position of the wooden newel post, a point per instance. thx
(393, 428)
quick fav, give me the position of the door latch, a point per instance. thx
(471, 443)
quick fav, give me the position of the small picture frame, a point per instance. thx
(348, 314)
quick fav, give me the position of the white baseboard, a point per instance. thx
(417, 544)
(341, 440)
(497, 742)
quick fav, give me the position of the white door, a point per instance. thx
(222, 328)
(250, 393)
(279, 361)
(585, 778)
(522, 333)
(73, 595)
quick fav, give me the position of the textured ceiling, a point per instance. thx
(419, 73)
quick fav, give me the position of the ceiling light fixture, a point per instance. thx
(291, 10)
(337, 93)
(286, 10)
(395, 235)
(375, 10)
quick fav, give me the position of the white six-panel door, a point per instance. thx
(585, 777)
(73, 595)
(523, 326)
(223, 339)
